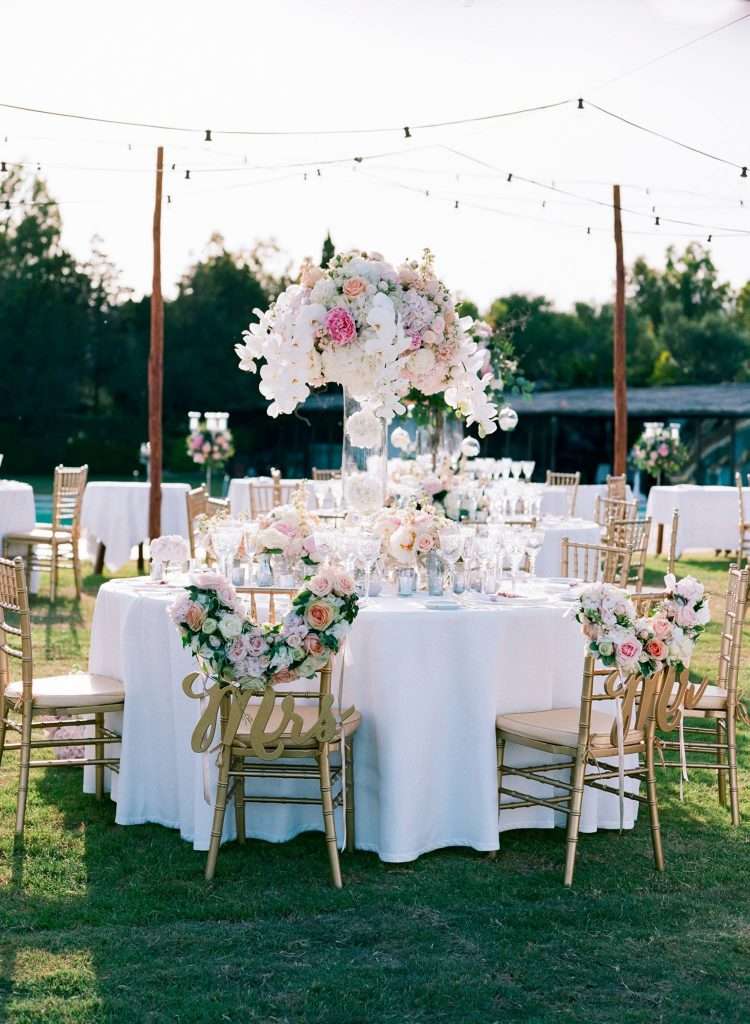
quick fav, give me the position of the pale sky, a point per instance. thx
(307, 64)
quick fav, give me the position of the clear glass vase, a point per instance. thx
(440, 436)
(364, 458)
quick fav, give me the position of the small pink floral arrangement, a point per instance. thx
(209, 447)
(409, 533)
(659, 451)
(213, 622)
(288, 530)
(646, 644)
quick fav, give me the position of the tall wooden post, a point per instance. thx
(156, 363)
(619, 371)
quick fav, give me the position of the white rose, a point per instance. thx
(210, 626)
(230, 626)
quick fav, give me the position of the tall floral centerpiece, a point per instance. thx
(659, 450)
(210, 443)
(377, 331)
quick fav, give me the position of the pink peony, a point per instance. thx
(319, 615)
(340, 326)
(354, 287)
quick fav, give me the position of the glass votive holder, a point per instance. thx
(459, 578)
(156, 572)
(405, 582)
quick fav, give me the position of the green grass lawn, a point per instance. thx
(102, 923)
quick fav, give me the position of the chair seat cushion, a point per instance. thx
(76, 690)
(714, 699)
(309, 715)
(560, 727)
(41, 534)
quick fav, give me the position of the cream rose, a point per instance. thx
(195, 616)
(319, 615)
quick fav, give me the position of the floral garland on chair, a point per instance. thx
(235, 651)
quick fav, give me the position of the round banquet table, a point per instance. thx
(115, 514)
(550, 557)
(555, 499)
(428, 684)
(17, 512)
(239, 492)
(709, 516)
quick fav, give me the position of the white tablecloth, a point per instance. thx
(428, 684)
(116, 514)
(550, 557)
(17, 512)
(555, 499)
(709, 516)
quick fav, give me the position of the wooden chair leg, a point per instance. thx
(53, 575)
(239, 806)
(23, 775)
(3, 712)
(99, 753)
(217, 826)
(653, 805)
(721, 759)
(77, 571)
(141, 562)
(734, 793)
(574, 817)
(350, 816)
(500, 770)
(99, 562)
(328, 822)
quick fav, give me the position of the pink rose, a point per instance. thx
(415, 341)
(195, 616)
(321, 584)
(256, 645)
(661, 627)
(354, 286)
(628, 651)
(425, 543)
(340, 326)
(313, 645)
(686, 617)
(238, 649)
(343, 584)
(663, 450)
(284, 675)
(320, 615)
(657, 649)
(310, 276)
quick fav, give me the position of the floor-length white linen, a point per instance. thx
(17, 512)
(115, 513)
(550, 557)
(428, 685)
(709, 516)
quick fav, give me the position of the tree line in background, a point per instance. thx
(75, 341)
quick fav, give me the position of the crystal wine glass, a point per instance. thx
(226, 540)
(516, 547)
(451, 545)
(515, 468)
(368, 547)
(527, 468)
(534, 542)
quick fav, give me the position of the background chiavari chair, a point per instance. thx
(570, 482)
(720, 703)
(584, 736)
(617, 487)
(632, 534)
(608, 509)
(48, 543)
(326, 474)
(35, 700)
(595, 563)
(199, 504)
(265, 494)
(743, 548)
(282, 756)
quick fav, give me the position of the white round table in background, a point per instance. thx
(115, 514)
(239, 492)
(428, 685)
(709, 516)
(17, 511)
(583, 531)
(555, 499)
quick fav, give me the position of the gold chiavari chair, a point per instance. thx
(718, 705)
(743, 548)
(595, 563)
(672, 552)
(326, 474)
(277, 736)
(570, 482)
(199, 504)
(632, 534)
(584, 736)
(617, 487)
(608, 509)
(35, 700)
(265, 494)
(54, 545)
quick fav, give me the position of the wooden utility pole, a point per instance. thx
(156, 363)
(619, 371)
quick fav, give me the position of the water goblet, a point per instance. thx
(534, 542)
(515, 468)
(368, 548)
(226, 540)
(528, 468)
(451, 544)
(516, 547)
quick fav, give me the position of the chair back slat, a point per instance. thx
(14, 601)
(326, 474)
(617, 487)
(67, 498)
(632, 534)
(730, 648)
(570, 482)
(595, 563)
(200, 504)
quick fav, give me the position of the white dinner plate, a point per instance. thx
(442, 604)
